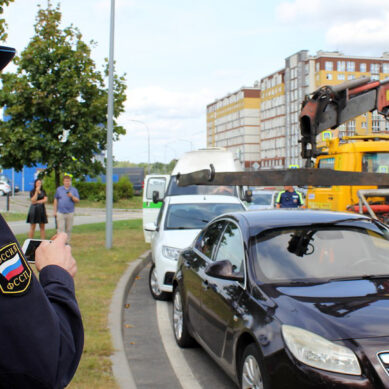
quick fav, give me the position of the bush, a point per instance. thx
(123, 188)
(92, 191)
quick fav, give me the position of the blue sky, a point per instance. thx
(180, 56)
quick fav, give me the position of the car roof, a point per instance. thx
(199, 199)
(278, 218)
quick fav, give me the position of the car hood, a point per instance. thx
(336, 310)
(179, 239)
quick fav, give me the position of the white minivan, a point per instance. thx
(185, 211)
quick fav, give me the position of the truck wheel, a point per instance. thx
(157, 293)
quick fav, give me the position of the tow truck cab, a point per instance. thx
(368, 153)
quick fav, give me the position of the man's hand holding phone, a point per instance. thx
(56, 252)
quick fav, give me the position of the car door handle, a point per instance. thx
(205, 285)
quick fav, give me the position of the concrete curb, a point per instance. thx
(120, 366)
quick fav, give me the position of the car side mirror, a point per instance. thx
(248, 195)
(223, 269)
(150, 227)
(156, 198)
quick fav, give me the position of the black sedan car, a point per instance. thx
(289, 298)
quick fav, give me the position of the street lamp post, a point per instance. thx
(109, 183)
(148, 142)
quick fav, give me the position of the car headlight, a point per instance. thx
(315, 351)
(170, 252)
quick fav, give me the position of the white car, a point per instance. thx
(4, 187)
(179, 221)
(263, 199)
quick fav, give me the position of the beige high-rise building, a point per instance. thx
(261, 124)
(233, 123)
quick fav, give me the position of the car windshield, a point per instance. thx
(175, 190)
(297, 254)
(262, 198)
(196, 216)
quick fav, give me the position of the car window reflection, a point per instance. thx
(325, 253)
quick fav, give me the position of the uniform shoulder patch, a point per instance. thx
(15, 273)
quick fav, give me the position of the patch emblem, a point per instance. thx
(15, 274)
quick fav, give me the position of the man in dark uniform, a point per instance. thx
(41, 332)
(289, 198)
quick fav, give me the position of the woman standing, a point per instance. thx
(37, 212)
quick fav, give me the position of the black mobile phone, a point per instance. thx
(29, 247)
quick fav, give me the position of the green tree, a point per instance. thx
(3, 24)
(57, 103)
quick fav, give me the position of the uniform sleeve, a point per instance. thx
(41, 333)
(278, 199)
(301, 201)
(58, 286)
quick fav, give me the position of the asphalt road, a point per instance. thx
(154, 358)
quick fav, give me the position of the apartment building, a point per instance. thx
(272, 112)
(233, 122)
(278, 98)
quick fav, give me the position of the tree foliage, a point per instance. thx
(57, 103)
(3, 24)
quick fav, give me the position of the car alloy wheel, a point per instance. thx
(177, 316)
(154, 287)
(180, 327)
(252, 374)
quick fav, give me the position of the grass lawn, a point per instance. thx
(13, 216)
(133, 203)
(99, 270)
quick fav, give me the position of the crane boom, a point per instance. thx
(330, 106)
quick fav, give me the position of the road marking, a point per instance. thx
(176, 356)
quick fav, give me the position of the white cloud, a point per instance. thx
(350, 25)
(369, 35)
(174, 120)
(329, 12)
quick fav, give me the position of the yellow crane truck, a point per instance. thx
(328, 108)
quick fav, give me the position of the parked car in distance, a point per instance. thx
(263, 199)
(291, 299)
(180, 219)
(6, 185)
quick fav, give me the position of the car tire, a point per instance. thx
(252, 373)
(154, 287)
(180, 325)
(2, 193)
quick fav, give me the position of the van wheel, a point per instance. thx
(252, 373)
(154, 287)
